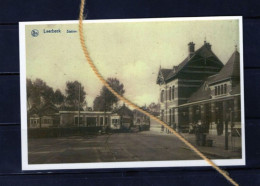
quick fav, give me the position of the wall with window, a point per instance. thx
(168, 98)
(115, 122)
(78, 120)
(46, 121)
(221, 89)
(34, 122)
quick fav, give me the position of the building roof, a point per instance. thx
(165, 72)
(230, 70)
(202, 93)
(124, 111)
(203, 52)
(235, 90)
(46, 109)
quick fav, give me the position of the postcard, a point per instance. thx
(188, 72)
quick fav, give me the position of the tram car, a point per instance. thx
(115, 122)
(118, 122)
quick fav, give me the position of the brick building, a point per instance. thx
(201, 89)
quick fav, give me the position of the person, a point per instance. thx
(174, 126)
(198, 132)
(191, 128)
(162, 128)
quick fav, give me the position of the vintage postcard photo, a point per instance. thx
(186, 71)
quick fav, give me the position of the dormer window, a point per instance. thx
(220, 89)
(225, 88)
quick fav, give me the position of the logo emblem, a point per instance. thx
(35, 32)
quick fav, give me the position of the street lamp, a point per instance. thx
(217, 121)
(226, 127)
(197, 113)
(79, 105)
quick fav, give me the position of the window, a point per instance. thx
(101, 120)
(170, 93)
(173, 118)
(115, 121)
(221, 89)
(162, 95)
(91, 121)
(106, 120)
(47, 121)
(173, 92)
(170, 115)
(225, 88)
(80, 120)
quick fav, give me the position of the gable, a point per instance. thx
(48, 109)
(162, 75)
(203, 61)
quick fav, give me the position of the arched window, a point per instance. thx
(162, 95)
(170, 112)
(225, 88)
(172, 92)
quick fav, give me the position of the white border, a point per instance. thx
(139, 164)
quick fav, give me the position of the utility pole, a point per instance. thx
(226, 134)
(79, 105)
(228, 116)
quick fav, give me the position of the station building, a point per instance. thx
(201, 89)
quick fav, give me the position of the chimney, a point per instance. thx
(208, 45)
(191, 48)
(174, 68)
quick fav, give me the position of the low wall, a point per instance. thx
(62, 132)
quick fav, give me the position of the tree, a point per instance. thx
(38, 92)
(29, 86)
(73, 90)
(98, 104)
(45, 92)
(58, 97)
(106, 99)
(154, 108)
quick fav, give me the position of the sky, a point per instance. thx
(130, 51)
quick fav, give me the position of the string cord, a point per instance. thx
(133, 105)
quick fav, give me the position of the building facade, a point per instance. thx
(43, 117)
(201, 89)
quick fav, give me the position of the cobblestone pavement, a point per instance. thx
(140, 146)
